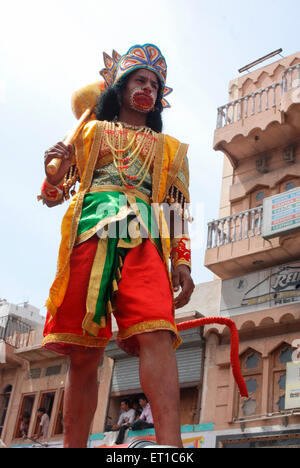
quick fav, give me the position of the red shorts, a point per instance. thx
(144, 301)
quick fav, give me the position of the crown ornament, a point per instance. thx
(139, 56)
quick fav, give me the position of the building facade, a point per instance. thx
(32, 377)
(254, 248)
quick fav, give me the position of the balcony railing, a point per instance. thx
(235, 228)
(260, 100)
(14, 331)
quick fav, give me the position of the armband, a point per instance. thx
(181, 251)
(51, 192)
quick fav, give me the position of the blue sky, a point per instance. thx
(48, 49)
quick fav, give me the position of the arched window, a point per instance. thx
(258, 195)
(25, 412)
(289, 183)
(4, 402)
(251, 366)
(279, 359)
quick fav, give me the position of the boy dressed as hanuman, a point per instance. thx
(117, 243)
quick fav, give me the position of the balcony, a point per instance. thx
(14, 334)
(235, 245)
(14, 331)
(262, 120)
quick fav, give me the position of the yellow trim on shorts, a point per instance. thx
(72, 338)
(151, 326)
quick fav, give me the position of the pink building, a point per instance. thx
(254, 248)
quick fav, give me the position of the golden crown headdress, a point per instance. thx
(139, 56)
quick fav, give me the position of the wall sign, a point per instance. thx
(273, 287)
(281, 214)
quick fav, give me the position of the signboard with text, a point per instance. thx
(273, 287)
(281, 214)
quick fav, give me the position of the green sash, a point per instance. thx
(119, 226)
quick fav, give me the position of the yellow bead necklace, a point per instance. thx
(125, 157)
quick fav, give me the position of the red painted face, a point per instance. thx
(142, 101)
(141, 91)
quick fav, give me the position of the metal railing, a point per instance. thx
(261, 100)
(14, 331)
(235, 228)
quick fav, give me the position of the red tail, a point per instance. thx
(234, 351)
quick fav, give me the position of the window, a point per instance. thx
(4, 402)
(251, 367)
(290, 186)
(257, 197)
(59, 427)
(26, 406)
(46, 401)
(35, 373)
(188, 406)
(53, 370)
(279, 360)
(114, 412)
(252, 361)
(260, 196)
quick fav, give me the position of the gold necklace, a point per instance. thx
(111, 130)
(124, 157)
(129, 126)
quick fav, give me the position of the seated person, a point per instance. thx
(145, 420)
(137, 408)
(125, 420)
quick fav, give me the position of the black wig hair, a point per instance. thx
(108, 106)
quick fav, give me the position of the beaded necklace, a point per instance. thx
(125, 157)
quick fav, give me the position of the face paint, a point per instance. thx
(141, 101)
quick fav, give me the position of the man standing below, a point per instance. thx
(126, 168)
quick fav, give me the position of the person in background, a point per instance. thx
(24, 425)
(145, 421)
(44, 423)
(125, 420)
(137, 408)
